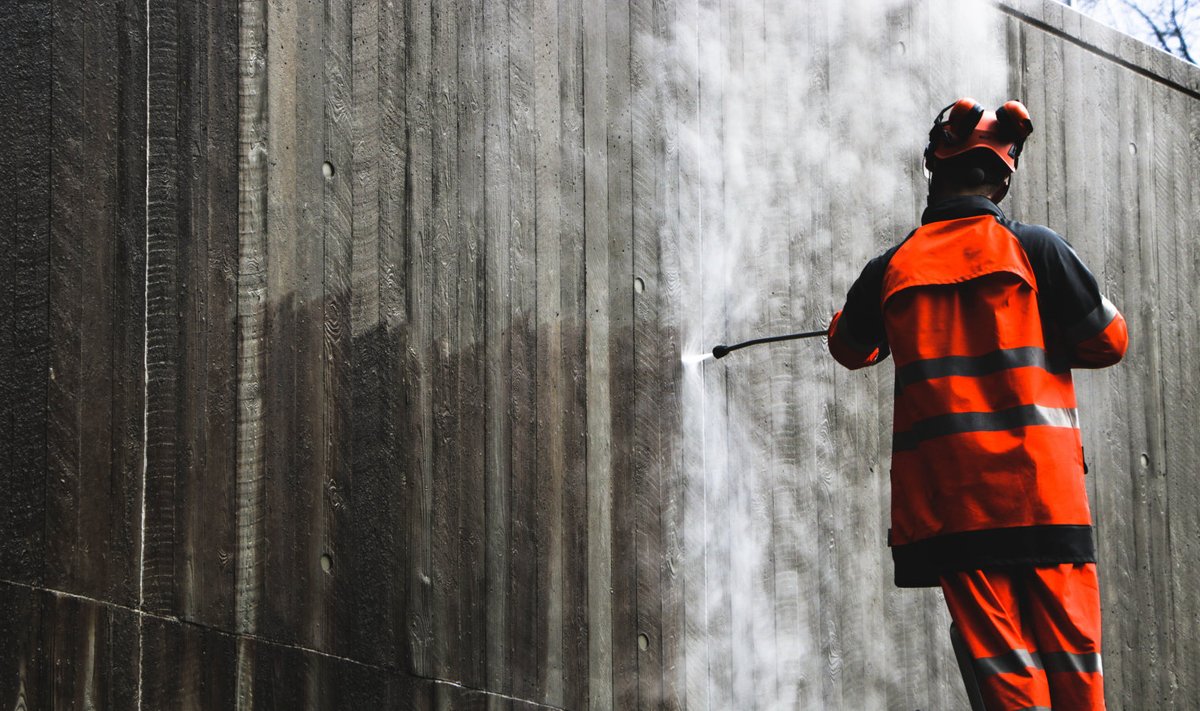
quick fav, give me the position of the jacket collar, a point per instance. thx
(958, 207)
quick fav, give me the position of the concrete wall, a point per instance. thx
(341, 359)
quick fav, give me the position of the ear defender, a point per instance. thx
(1014, 120)
(1014, 124)
(965, 115)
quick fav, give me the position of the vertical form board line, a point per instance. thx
(667, 252)
(313, 601)
(793, 616)
(334, 488)
(251, 283)
(1144, 382)
(1111, 490)
(525, 619)
(598, 443)
(145, 377)
(206, 313)
(728, 493)
(391, 323)
(548, 238)
(619, 190)
(389, 477)
(469, 394)
(720, 661)
(446, 258)
(498, 437)
(670, 387)
(49, 281)
(781, 439)
(418, 218)
(829, 585)
(161, 335)
(499, 500)
(1156, 425)
(128, 372)
(625, 637)
(684, 63)
(572, 403)
(631, 400)
(366, 554)
(707, 122)
(60, 451)
(336, 241)
(646, 335)
(757, 391)
(1101, 223)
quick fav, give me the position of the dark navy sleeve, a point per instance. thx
(857, 336)
(1070, 298)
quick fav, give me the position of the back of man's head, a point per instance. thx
(973, 151)
(976, 172)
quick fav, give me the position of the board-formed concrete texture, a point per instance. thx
(342, 348)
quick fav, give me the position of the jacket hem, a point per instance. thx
(921, 563)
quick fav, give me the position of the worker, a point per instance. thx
(985, 317)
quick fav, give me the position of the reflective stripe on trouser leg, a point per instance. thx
(1064, 611)
(985, 606)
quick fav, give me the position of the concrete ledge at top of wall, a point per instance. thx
(1093, 35)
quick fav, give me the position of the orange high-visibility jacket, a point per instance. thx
(985, 318)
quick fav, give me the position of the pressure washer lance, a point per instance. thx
(722, 351)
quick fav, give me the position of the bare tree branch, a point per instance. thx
(1158, 33)
(1168, 23)
(1183, 45)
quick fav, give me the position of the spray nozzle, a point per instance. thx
(720, 351)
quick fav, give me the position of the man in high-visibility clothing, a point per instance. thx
(985, 317)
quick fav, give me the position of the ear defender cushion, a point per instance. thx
(1014, 121)
(964, 117)
(975, 177)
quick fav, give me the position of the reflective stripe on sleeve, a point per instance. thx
(963, 422)
(1094, 323)
(975, 366)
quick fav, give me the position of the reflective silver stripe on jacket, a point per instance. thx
(963, 422)
(976, 366)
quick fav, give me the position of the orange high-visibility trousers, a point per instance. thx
(1034, 635)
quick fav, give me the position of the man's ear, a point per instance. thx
(1003, 191)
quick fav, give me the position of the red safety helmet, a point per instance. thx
(969, 126)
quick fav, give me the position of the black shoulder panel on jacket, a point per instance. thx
(1067, 291)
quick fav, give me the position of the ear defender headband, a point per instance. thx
(965, 125)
